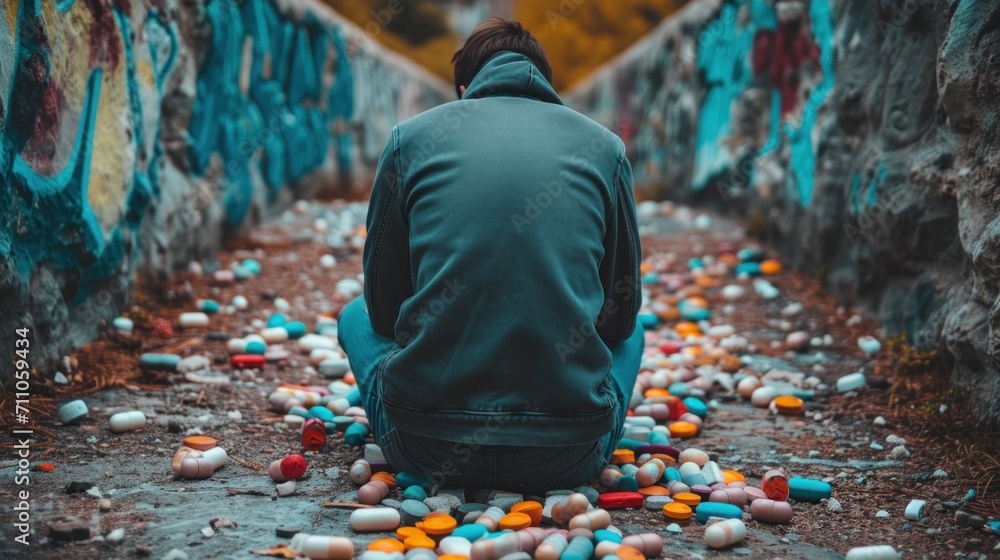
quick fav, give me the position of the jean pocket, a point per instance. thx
(565, 472)
(437, 467)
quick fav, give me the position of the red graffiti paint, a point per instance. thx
(105, 40)
(784, 56)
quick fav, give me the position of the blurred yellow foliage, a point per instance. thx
(578, 35)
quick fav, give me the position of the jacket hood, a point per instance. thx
(511, 74)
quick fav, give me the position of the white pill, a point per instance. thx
(127, 421)
(881, 552)
(193, 319)
(762, 396)
(294, 420)
(339, 406)
(712, 472)
(374, 519)
(123, 324)
(311, 342)
(725, 533)
(237, 345)
(217, 456)
(850, 382)
(456, 545)
(274, 335)
(319, 355)
(327, 261)
(240, 302)
(72, 412)
(334, 367)
(915, 510)
(317, 547)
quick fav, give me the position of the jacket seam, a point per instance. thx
(636, 294)
(382, 227)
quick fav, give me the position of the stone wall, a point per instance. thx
(859, 136)
(135, 133)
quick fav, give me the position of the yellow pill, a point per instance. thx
(387, 545)
(677, 510)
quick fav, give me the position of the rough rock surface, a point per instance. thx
(858, 136)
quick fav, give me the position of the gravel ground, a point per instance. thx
(160, 513)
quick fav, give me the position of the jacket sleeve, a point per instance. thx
(387, 247)
(619, 271)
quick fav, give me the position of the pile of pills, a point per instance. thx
(198, 458)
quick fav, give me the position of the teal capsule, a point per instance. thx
(296, 329)
(648, 320)
(626, 443)
(580, 548)
(704, 510)
(209, 306)
(808, 490)
(331, 428)
(342, 422)
(327, 329)
(690, 313)
(748, 268)
(252, 266)
(658, 438)
(255, 347)
(650, 278)
(159, 362)
(695, 263)
(602, 535)
(407, 479)
(299, 411)
(239, 272)
(415, 493)
(627, 483)
(354, 397)
(672, 475)
(355, 434)
(678, 389)
(276, 320)
(471, 532)
(321, 412)
(696, 406)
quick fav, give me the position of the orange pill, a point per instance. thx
(530, 508)
(788, 404)
(624, 552)
(770, 267)
(645, 268)
(622, 456)
(199, 443)
(677, 510)
(687, 328)
(386, 478)
(655, 392)
(387, 545)
(729, 476)
(689, 499)
(451, 557)
(515, 521)
(348, 378)
(683, 429)
(667, 459)
(404, 533)
(654, 491)
(439, 525)
(697, 301)
(419, 542)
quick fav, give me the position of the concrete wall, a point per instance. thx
(858, 135)
(136, 132)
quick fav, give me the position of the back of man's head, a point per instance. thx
(490, 37)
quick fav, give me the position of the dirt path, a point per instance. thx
(836, 439)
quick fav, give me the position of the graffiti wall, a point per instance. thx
(135, 133)
(859, 136)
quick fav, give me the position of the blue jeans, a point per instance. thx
(528, 470)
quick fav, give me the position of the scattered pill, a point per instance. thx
(725, 533)
(127, 421)
(375, 519)
(72, 412)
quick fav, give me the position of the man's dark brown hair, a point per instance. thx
(490, 37)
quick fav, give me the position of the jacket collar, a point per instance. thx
(513, 75)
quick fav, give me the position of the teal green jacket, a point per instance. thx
(503, 256)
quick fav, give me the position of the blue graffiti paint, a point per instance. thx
(803, 161)
(855, 195)
(723, 58)
(877, 179)
(281, 116)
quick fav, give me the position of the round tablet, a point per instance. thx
(677, 510)
(687, 498)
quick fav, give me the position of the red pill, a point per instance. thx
(247, 361)
(313, 434)
(620, 500)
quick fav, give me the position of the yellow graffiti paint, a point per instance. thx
(12, 7)
(112, 161)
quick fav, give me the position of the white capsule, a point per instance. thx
(915, 510)
(725, 533)
(240, 302)
(217, 456)
(374, 519)
(851, 382)
(311, 342)
(193, 319)
(193, 469)
(274, 335)
(127, 421)
(317, 547)
(334, 367)
(456, 545)
(881, 552)
(762, 396)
